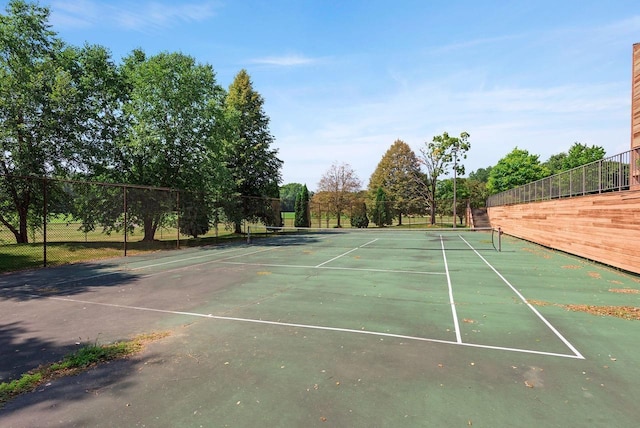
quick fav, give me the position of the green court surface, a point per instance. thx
(334, 328)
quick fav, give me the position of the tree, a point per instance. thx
(517, 168)
(302, 215)
(381, 212)
(359, 215)
(555, 163)
(578, 155)
(481, 174)
(478, 193)
(58, 105)
(477, 186)
(445, 196)
(253, 164)
(339, 183)
(397, 174)
(173, 115)
(581, 154)
(288, 194)
(439, 157)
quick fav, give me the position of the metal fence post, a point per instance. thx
(44, 221)
(124, 188)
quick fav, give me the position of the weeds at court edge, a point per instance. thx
(75, 363)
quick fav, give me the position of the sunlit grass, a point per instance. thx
(81, 360)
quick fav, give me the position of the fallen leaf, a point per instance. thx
(527, 384)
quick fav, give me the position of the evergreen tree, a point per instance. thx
(359, 216)
(381, 212)
(302, 217)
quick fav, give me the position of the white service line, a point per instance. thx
(66, 281)
(524, 300)
(417, 272)
(222, 260)
(344, 254)
(451, 301)
(120, 271)
(313, 327)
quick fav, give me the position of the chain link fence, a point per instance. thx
(45, 221)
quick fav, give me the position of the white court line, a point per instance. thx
(315, 327)
(344, 254)
(185, 259)
(451, 301)
(417, 272)
(66, 281)
(222, 260)
(524, 300)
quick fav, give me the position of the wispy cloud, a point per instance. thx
(142, 17)
(544, 121)
(475, 43)
(285, 61)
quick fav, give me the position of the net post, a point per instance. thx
(499, 239)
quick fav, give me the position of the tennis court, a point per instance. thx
(367, 327)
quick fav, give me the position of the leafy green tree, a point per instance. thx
(517, 168)
(581, 154)
(397, 174)
(288, 194)
(445, 196)
(58, 106)
(478, 193)
(337, 188)
(381, 212)
(442, 155)
(555, 163)
(481, 174)
(477, 186)
(302, 215)
(359, 215)
(253, 164)
(173, 116)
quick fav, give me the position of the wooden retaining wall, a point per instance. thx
(604, 228)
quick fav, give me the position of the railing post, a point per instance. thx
(600, 176)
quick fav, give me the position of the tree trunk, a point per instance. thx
(399, 218)
(149, 229)
(339, 215)
(23, 236)
(238, 228)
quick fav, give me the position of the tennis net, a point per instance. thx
(386, 238)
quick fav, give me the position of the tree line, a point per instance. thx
(404, 183)
(155, 120)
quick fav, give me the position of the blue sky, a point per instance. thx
(342, 80)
